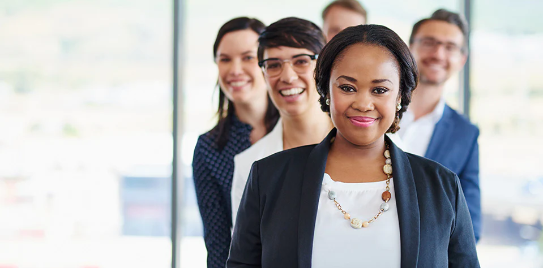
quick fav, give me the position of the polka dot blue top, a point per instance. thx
(213, 170)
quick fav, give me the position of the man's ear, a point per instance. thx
(464, 59)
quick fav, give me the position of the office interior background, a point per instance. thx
(87, 113)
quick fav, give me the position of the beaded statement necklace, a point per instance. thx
(357, 223)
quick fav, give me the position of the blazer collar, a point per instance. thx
(406, 202)
(441, 133)
(309, 201)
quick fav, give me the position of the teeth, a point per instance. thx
(292, 91)
(435, 67)
(238, 84)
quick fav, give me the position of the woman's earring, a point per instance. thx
(328, 102)
(399, 107)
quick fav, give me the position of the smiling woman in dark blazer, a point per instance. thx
(355, 199)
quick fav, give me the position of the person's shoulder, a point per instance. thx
(205, 148)
(259, 149)
(430, 170)
(298, 153)
(206, 141)
(425, 162)
(282, 167)
(461, 121)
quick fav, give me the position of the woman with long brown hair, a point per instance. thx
(246, 114)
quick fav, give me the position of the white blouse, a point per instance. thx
(268, 145)
(337, 244)
(416, 135)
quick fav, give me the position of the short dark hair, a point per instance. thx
(352, 5)
(291, 32)
(226, 109)
(446, 16)
(369, 34)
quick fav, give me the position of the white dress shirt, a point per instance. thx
(268, 145)
(416, 135)
(337, 244)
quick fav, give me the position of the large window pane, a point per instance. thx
(85, 140)
(507, 96)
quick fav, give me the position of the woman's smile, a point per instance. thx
(362, 121)
(291, 94)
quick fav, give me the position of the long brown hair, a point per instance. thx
(226, 109)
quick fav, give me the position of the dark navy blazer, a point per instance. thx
(276, 219)
(454, 145)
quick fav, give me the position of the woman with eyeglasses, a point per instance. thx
(287, 52)
(355, 199)
(245, 115)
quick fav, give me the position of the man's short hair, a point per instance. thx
(446, 16)
(352, 5)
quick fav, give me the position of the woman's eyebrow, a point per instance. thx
(353, 80)
(378, 81)
(246, 52)
(348, 78)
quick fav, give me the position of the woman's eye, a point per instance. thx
(248, 58)
(347, 88)
(380, 90)
(273, 65)
(224, 60)
(301, 62)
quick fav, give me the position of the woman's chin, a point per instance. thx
(359, 140)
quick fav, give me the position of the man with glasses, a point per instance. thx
(431, 128)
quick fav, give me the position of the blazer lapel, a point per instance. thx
(442, 130)
(309, 201)
(406, 202)
(408, 206)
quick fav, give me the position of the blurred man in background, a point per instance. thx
(431, 128)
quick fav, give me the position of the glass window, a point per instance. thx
(507, 96)
(85, 140)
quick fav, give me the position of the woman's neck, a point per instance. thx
(304, 129)
(253, 113)
(358, 153)
(348, 162)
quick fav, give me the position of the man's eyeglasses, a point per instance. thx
(430, 44)
(274, 66)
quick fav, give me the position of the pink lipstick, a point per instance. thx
(362, 121)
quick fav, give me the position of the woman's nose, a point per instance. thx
(288, 75)
(363, 103)
(236, 68)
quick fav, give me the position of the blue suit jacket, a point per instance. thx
(276, 219)
(454, 145)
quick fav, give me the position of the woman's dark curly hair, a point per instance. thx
(376, 35)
